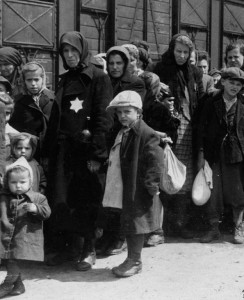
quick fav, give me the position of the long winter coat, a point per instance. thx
(213, 126)
(141, 167)
(25, 239)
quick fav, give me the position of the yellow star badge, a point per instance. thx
(76, 104)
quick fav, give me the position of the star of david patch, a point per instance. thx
(76, 104)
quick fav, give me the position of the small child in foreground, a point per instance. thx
(21, 233)
(132, 184)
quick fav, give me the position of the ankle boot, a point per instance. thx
(88, 256)
(212, 234)
(19, 287)
(7, 285)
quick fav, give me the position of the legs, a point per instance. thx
(12, 284)
(132, 265)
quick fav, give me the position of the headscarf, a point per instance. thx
(123, 52)
(20, 162)
(7, 84)
(11, 56)
(182, 73)
(79, 42)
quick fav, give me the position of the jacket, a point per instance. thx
(213, 126)
(24, 239)
(141, 167)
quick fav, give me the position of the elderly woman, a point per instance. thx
(10, 67)
(77, 146)
(185, 82)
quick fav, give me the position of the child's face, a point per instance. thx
(3, 88)
(8, 112)
(127, 115)
(23, 148)
(231, 87)
(34, 81)
(19, 182)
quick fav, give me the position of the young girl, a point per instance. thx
(21, 232)
(132, 183)
(24, 144)
(221, 143)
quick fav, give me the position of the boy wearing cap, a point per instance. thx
(221, 143)
(133, 176)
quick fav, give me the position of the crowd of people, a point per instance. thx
(89, 157)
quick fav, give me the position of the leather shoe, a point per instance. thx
(153, 240)
(128, 268)
(86, 263)
(6, 288)
(19, 287)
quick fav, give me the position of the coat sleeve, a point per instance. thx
(101, 120)
(153, 162)
(43, 208)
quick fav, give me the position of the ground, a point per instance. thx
(176, 270)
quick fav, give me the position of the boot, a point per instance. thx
(212, 234)
(19, 287)
(7, 286)
(128, 268)
(88, 256)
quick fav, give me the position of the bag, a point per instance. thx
(174, 172)
(201, 191)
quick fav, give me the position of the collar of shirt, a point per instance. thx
(229, 103)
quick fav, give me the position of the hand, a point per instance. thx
(30, 207)
(200, 160)
(167, 140)
(93, 165)
(98, 233)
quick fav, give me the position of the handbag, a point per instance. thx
(174, 172)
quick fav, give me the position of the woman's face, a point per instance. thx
(71, 56)
(116, 66)
(181, 53)
(6, 70)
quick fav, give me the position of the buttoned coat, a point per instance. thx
(213, 126)
(141, 168)
(24, 239)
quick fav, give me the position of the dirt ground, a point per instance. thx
(175, 270)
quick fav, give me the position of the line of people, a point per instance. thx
(95, 150)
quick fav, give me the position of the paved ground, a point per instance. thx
(175, 270)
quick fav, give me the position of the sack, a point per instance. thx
(201, 191)
(174, 172)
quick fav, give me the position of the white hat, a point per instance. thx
(23, 163)
(126, 98)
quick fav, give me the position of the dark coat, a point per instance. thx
(141, 168)
(98, 93)
(25, 239)
(213, 126)
(28, 117)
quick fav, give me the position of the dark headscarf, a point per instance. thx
(9, 55)
(79, 42)
(182, 73)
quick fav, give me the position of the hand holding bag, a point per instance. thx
(174, 172)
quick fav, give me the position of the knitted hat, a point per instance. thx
(21, 162)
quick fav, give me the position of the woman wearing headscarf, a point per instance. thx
(76, 144)
(119, 72)
(10, 67)
(185, 83)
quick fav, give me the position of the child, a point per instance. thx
(24, 144)
(9, 130)
(33, 108)
(221, 136)
(132, 183)
(21, 235)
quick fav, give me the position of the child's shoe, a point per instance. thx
(239, 234)
(128, 268)
(18, 288)
(6, 287)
